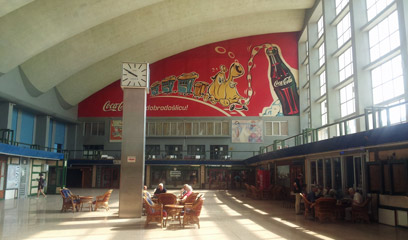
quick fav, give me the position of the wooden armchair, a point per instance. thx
(102, 201)
(190, 199)
(167, 198)
(69, 200)
(154, 212)
(192, 213)
(309, 206)
(360, 211)
(256, 193)
(325, 208)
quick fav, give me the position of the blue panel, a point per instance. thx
(26, 152)
(14, 122)
(60, 134)
(50, 134)
(27, 128)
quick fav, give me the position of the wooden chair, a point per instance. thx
(167, 198)
(154, 212)
(69, 200)
(191, 214)
(309, 207)
(190, 199)
(325, 209)
(360, 211)
(102, 201)
(256, 193)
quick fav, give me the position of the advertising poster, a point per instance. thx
(249, 76)
(247, 131)
(115, 131)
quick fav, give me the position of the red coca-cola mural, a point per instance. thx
(250, 76)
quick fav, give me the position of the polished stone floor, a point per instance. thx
(225, 215)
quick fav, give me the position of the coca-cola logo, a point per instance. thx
(286, 81)
(112, 107)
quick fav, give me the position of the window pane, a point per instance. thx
(159, 129)
(173, 129)
(188, 129)
(284, 128)
(210, 128)
(225, 128)
(196, 129)
(203, 127)
(152, 129)
(180, 129)
(276, 129)
(218, 128)
(166, 129)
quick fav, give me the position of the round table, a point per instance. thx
(173, 210)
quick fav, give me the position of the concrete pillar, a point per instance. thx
(132, 160)
(147, 180)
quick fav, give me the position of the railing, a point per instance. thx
(373, 117)
(162, 155)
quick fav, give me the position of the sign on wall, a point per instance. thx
(250, 76)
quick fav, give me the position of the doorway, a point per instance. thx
(3, 163)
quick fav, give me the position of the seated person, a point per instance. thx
(332, 193)
(311, 196)
(146, 193)
(187, 192)
(160, 189)
(357, 199)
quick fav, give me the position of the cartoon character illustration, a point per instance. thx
(224, 90)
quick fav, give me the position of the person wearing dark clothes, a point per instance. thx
(298, 186)
(41, 184)
(160, 189)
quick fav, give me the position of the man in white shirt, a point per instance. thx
(357, 199)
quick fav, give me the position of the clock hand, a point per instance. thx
(131, 72)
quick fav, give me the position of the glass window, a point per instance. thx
(337, 175)
(321, 55)
(225, 128)
(323, 109)
(180, 128)
(196, 128)
(320, 27)
(151, 126)
(346, 64)
(384, 37)
(387, 80)
(322, 78)
(397, 114)
(374, 7)
(320, 172)
(203, 126)
(188, 128)
(87, 129)
(313, 173)
(343, 30)
(166, 129)
(195, 150)
(210, 128)
(218, 126)
(327, 175)
(276, 128)
(347, 100)
(340, 4)
(173, 127)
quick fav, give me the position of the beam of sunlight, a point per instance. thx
(229, 211)
(257, 230)
(248, 206)
(217, 200)
(237, 200)
(302, 229)
(69, 223)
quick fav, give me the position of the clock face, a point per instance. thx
(135, 75)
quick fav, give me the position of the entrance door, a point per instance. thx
(22, 190)
(2, 177)
(52, 180)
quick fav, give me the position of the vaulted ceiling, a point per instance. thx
(77, 46)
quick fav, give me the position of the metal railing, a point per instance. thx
(373, 117)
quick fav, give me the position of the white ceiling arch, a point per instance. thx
(78, 59)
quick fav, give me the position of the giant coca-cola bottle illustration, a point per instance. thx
(283, 83)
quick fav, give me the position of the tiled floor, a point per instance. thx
(225, 215)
